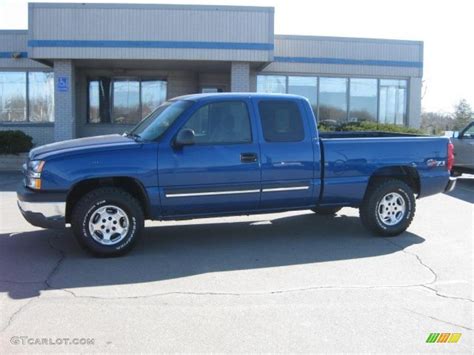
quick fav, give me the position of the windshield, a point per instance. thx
(156, 123)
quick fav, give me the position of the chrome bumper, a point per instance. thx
(451, 184)
(44, 214)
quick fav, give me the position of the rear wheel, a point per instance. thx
(388, 207)
(327, 211)
(107, 221)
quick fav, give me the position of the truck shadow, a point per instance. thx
(31, 262)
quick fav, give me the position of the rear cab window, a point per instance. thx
(281, 121)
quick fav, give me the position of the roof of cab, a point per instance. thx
(236, 95)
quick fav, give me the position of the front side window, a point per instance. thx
(393, 101)
(221, 123)
(157, 123)
(124, 101)
(469, 133)
(281, 121)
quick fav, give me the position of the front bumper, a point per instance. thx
(451, 184)
(42, 209)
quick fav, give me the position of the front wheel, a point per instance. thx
(388, 208)
(107, 221)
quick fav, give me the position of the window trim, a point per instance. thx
(301, 117)
(27, 120)
(220, 143)
(140, 79)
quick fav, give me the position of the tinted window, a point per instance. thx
(281, 121)
(157, 123)
(221, 122)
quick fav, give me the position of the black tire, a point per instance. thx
(89, 206)
(373, 202)
(326, 211)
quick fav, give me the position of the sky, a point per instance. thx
(445, 26)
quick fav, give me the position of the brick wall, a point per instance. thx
(64, 101)
(240, 77)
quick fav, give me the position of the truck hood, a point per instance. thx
(72, 145)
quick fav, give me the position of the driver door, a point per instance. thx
(220, 172)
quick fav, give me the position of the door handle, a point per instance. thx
(248, 157)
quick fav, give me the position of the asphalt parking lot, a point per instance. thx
(290, 282)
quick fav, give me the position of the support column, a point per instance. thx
(240, 77)
(414, 103)
(64, 100)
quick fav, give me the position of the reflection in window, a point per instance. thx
(153, 94)
(94, 100)
(124, 101)
(221, 122)
(363, 100)
(306, 86)
(126, 107)
(281, 121)
(41, 94)
(333, 99)
(271, 84)
(393, 101)
(12, 96)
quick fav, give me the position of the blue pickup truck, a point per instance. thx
(209, 155)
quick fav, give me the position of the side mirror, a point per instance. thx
(184, 137)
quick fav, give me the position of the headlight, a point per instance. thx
(33, 178)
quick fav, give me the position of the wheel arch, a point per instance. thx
(407, 174)
(129, 184)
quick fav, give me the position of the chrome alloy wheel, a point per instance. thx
(108, 225)
(391, 208)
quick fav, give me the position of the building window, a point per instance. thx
(393, 101)
(153, 94)
(306, 86)
(124, 101)
(26, 97)
(345, 99)
(13, 96)
(363, 100)
(271, 84)
(41, 94)
(333, 99)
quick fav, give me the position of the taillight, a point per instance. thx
(450, 162)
